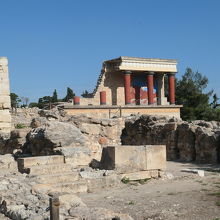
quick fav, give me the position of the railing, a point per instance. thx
(115, 112)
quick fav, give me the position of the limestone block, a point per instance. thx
(156, 157)
(3, 61)
(104, 182)
(42, 160)
(90, 128)
(5, 117)
(127, 159)
(137, 175)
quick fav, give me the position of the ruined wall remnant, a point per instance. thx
(5, 103)
(196, 141)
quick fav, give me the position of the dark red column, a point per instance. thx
(103, 98)
(76, 100)
(150, 87)
(127, 87)
(171, 79)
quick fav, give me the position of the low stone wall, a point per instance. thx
(122, 111)
(197, 141)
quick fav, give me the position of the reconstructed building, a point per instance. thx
(131, 85)
(5, 102)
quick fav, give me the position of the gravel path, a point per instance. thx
(185, 197)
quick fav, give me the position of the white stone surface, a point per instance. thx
(5, 102)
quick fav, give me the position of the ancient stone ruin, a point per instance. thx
(60, 155)
(131, 85)
(5, 102)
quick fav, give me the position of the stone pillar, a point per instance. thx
(171, 80)
(5, 101)
(150, 87)
(76, 100)
(103, 98)
(160, 89)
(127, 87)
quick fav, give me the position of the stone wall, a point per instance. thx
(113, 84)
(123, 111)
(5, 103)
(197, 141)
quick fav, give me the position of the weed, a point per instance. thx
(20, 125)
(218, 203)
(204, 189)
(142, 181)
(216, 183)
(215, 194)
(131, 203)
(125, 180)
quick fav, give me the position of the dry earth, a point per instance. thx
(187, 196)
(2, 217)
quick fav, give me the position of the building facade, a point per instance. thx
(136, 85)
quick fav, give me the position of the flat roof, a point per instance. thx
(141, 59)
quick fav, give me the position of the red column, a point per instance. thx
(171, 79)
(127, 87)
(150, 87)
(103, 98)
(76, 100)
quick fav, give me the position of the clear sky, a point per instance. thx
(52, 44)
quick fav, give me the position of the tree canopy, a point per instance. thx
(14, 100)
(190, 93)
(69, 95)
(54, 97)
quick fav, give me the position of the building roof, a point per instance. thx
(141, 59)
(143, 64)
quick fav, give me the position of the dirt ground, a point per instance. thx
(187, 196)
(2, 217)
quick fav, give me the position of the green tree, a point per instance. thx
(14, 100)
(86, 94)
(69, 95)
(54, 97)
(214, 103)
(190, 94)
(33, 104)
(44, 102)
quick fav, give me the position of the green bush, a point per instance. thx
(125, 180)
(20, 125)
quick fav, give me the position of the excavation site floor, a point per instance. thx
(180, 195)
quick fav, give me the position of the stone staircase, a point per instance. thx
(52, 174)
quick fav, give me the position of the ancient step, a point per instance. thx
(42, 160)
(70, 187)
(48, 169)
(58, 178)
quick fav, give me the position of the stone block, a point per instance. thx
(55, 178)
(137, 175)
(170, 126)
(127, 159)
(43, 160)
(103, 182)
(47, 169)
(156, 157)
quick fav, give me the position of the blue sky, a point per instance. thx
(52, 44)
